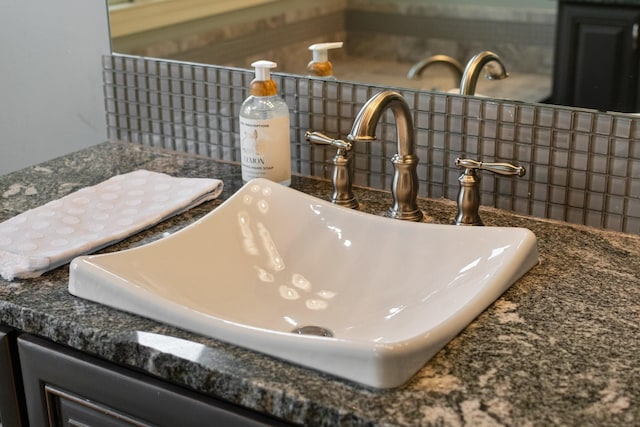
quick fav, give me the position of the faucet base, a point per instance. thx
(467, 222)
(351, 204)
(407, 216)
(404, 189)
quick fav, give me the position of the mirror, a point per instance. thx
(383, 38)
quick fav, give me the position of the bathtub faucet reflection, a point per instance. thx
(452, 63)
(495, 71)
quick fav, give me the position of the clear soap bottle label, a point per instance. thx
(265, 147)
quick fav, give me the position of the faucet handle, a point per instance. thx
(499, 168)
(322, 139)
(469, 193)
(342, 187)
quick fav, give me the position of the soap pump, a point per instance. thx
(320, 65)
(264, 130)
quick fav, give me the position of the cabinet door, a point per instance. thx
(596, 60)
(12, 412)
(64, 387)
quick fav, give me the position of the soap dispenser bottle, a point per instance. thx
(320, 65)
(264, 130)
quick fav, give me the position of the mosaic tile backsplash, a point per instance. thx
(582, 166)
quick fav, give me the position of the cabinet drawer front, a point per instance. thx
(67, 409)
(60, 382)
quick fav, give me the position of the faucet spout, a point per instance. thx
(404, 188)
(455, 66)
(495, 71)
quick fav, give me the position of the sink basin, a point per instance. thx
(355, 295)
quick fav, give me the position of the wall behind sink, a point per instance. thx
(50, 79)
(582, 166)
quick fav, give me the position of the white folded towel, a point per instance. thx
(92, 218)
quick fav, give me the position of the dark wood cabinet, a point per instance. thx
(64, 387)
(12, 411)
(597, 56)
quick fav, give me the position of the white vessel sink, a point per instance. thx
(271, 262)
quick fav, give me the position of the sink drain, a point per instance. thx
(313, 330)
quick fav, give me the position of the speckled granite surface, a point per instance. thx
(560, 347)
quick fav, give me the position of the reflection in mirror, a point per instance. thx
(382, 39)
(597, 55)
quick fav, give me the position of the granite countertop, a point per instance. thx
(559, 347)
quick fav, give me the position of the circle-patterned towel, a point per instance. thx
(89, 219)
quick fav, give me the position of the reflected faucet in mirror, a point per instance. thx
(494, 66)
(453, 64)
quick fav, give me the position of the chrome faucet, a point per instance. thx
(495, 71)
(455, 66)
(404, 187)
